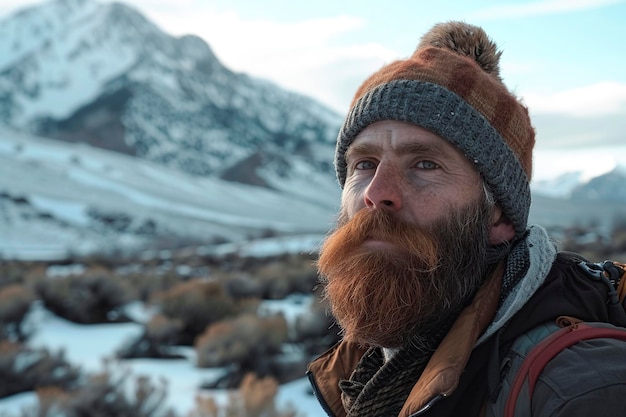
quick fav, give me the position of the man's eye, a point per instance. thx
(427, 165)
(365, 165)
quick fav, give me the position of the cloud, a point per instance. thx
(590, 116)
(11, 6)
(335, 79)
(508, 11)
(606, 98)
(563, 131)
(306, 56)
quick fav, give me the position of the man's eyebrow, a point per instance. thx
(363, 149)
(403, 149)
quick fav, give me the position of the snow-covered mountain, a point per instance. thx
(189, 150)
(606, 187)
(583, 174)
(580, 187)
(101, 73)
(576, 185)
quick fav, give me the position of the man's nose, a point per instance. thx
(384, 191)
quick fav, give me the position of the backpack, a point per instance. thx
(533, 350)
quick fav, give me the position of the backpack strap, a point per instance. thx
(620, 271)
(612, 273)
(512, 388)
(539, 355)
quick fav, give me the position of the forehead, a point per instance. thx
(401, 138)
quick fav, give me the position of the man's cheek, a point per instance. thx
(352, 199)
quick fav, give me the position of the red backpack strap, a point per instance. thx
(548, 348)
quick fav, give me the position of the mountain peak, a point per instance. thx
(34, 27)
(606, 187)
(110, 77)
(124, 16)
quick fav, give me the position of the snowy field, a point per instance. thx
(88, 345)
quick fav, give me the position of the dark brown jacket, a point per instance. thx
(459, 379)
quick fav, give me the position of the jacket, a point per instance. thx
(459, 378)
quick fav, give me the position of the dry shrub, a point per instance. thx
(207, 407)
(84, 299)
(315, 323)
(107, 394)
(189, 307)
(255, 398)
(15, 302)
(35, 273)
(29, 369)
(143, 285)
(287, 275)
(159, 333)
(52, 401)
(13, 272)
(316, 330)
(243, 340)
(268, 278)
(258, 396)
(275, 332)
(196, 304)
(618, 238)
(163, 330)
(243, 285)
(593, 243)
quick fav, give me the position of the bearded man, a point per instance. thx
(433, 272)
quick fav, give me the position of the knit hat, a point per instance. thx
(451, 86)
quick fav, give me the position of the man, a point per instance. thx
(433, 272)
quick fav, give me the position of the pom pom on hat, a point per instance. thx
(451, 85)
(467, 40)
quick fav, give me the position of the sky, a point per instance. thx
(565, 58)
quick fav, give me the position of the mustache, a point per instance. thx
(378, 224)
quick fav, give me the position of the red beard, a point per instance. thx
(384, 293)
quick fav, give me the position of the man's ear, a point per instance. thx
(502, 229)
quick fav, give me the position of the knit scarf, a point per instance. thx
(379, 387)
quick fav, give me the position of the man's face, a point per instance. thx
(407, 170)
(411, 244)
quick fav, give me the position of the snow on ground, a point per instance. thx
(88, 345)
(61, 184)
(268, 246)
